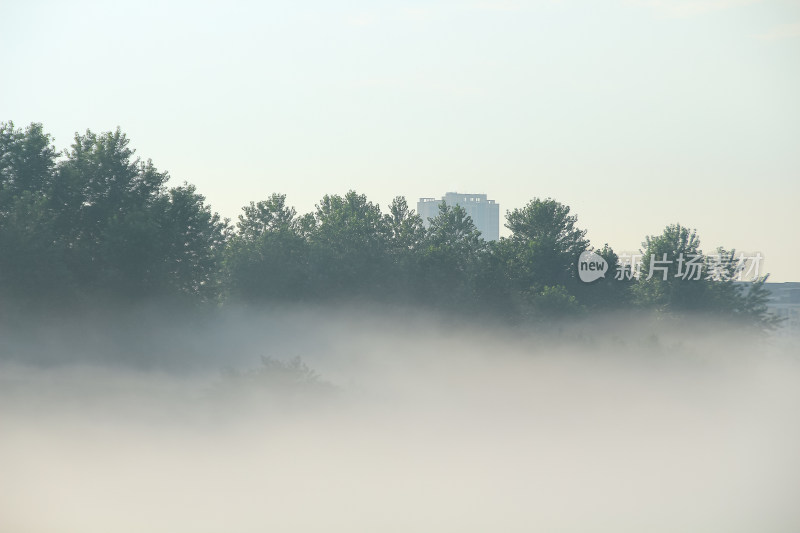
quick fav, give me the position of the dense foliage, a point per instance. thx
(95, 224)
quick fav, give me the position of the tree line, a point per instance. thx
(95, 224)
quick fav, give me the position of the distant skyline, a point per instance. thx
(635, 113)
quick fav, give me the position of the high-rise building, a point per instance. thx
(485, 213)
(784, 302)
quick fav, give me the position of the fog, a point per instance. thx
(394, 421)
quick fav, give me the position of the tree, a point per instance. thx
(667, 284)
(31, 244)
(448, 259)
(496, 287)
(550, 303)
(100, 223)
(27, 161)
(405, 237)
(192, 240)
(405, 228)
(267, 259)
(348, 238)
(607, 292)
(105, 200)
(677, 278)
(547, 244)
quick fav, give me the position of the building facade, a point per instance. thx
(784, 302)
(485, 213)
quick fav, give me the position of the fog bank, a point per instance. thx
(400, 424)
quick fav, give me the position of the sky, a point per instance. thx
(635, 113)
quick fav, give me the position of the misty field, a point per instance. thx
(362, 421)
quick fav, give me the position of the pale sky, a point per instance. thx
(635, 113)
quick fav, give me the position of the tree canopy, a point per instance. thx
(95, 223)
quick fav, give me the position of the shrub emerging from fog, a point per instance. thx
(276, 380)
